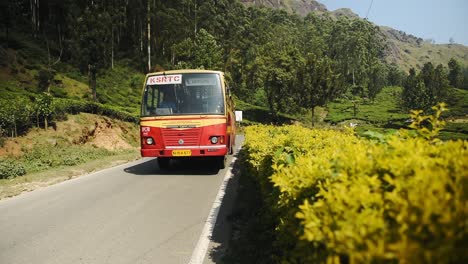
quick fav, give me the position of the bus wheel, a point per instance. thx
(231, 150)
(221, 162)
(163, 163)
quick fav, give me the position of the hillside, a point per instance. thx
(405, 50)
(300, 7)
(409, 51)
(81, 144)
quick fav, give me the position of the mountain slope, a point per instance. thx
(300, 7)
(409, 51)
(405, 50)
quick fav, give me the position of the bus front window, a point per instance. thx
(183, 94)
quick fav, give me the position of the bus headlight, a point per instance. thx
(214, 140)
(150, 141)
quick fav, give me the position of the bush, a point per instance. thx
(15, 116)
(58, 92)
(44, 79)
(63, 106)
(11, 169)
(334, 196)
(44, 157)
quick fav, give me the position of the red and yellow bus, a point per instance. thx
(187, 113)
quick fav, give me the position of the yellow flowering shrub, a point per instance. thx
(403, 200)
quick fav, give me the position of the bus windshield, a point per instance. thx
(183, 94)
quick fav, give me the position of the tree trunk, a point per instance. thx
(7, 26)
(141, 37)
(313, 116)
(354, 108)
(92, 80)
(112, 49)
(34, 4)
(15, 132)
(149, 36)
(7, 34)
(195, 24)
(273, 110)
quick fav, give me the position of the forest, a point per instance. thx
(274, 59)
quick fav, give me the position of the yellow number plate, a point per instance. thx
(181, 153)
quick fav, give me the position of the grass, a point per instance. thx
(32, 181)
(385, 116)
(79, 145)
(74, 89)
(412, 55)
(118, 87)
(383, 110)
(458, 103)
(121, 87)
(252, 114)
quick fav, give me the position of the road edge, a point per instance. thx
(201, 249)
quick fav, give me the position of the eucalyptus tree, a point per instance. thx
(357, 45)
(395, 76)
(455, 75)
(319, 80)
(275, 59)
(414, 94)
(204, 52)
(429, 87)
(377, 79)
(318, 83)
(436, 82)
(88, 44)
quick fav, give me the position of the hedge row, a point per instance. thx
(17, 116)
(336, 197)
(61, 107)
(10, 169)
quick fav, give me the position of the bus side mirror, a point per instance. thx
(238, 116)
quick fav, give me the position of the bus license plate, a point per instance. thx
(181, 153)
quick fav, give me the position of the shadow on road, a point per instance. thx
(222, 231)
(194, 167)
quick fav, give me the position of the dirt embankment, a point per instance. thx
(82, 129)
(104, 134)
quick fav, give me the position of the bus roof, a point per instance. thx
(184, 71)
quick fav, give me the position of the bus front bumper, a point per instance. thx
(176, 152)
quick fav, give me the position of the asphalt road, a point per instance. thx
(133, 213)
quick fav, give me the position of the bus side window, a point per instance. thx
(149, 101)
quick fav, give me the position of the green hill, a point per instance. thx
(22, 66)
(405, 50)
(409, 51)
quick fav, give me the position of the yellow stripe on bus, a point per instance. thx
(182, 123)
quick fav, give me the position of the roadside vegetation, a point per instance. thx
(71, 74)
(78, 145)
(334, 197)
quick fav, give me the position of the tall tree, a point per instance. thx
(426, 89)
(281, 60)
(455, 75)
(441, 85)
(204, 52)
(414, 95)
(395, 75)
(318, 83)
(149, 34)
(90, 33)
(377, 79)
(35, 16)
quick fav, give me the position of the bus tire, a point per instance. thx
(221, 162)
(163, 163)
(231, 149)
